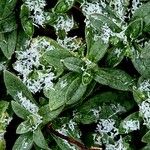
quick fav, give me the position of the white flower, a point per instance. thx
(28, 62)
(72, 125)
(106, 33)
(69, 43)
(91, 8)
(145, 86)
(135, 5)
(144, 110)
(64, 24)
(107, 126)
(96, 112)
(33, 109)
(37, 7)
(118, 145)
(118, 6)
(118, 51)
(27, 104)
(131, 125)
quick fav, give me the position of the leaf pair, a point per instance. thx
(68, 90)
(25, 141)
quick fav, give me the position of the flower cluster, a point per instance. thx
(131, 125)
(145, 86)
(34, 74)
(135, 5)
(107, 130)
(64, 23)
(144, 109)
(70, 43)
(32, 108)
(37, 8)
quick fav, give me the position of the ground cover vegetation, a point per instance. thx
(75, 75)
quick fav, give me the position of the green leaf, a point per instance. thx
(6, 8)
(61, 143)
(97, 50)
(89, 90)
(21, 40)
(115, 56)
(8, 24)
(141, 60)
(138, 95)
(55, 56)
(63, 6)
(75, 91)
(26, 21)
(8, 43)
(146, 138)
(57, 95)
(39, 139)
(19, 110)
(3, 106)
(147, 23)
(49, 115)
(103, 100)
(15, 85)
(87, 77)
(24, 127)
(2, 144)
(115, 78)
(144, 13)
(98, 20)
(134, 29)
(147, 147)
(89, 35)
(24, 142)
(74, 64)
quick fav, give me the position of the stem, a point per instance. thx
(70, 139)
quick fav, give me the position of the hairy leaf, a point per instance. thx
(49, 115)
(74, 64)
(15, 85)
(26, 22)
(24, 142)
(114, 78)
(63, 6)
(39, 139)
(75, 91)
(8, 43)
(134, 28)
(19, 110)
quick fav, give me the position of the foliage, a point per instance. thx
(75, 74)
